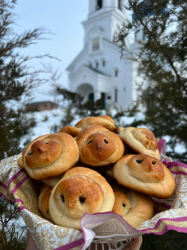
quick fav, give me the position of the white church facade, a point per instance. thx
(98, 71)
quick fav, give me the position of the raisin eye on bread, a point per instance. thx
(50, 156)
(81, 190)
(134, 207)
(144, 174)
(98, 146)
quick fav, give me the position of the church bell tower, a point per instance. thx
(98, 72)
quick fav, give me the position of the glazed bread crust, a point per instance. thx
(50, 156)
(51, 182)
(144, 174)
(141, 140)
(134, 207)
(21, 159)
(43, 202)
(105, 121)
(70, 130)
(98, 146)
(81, 190)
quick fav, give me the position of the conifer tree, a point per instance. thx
(162, 63)
(17, 81)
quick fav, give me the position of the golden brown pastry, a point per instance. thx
(105, 121)
(141, 140)
(43, 202)
(51, 182)
(20, 160)
(70, 130)
(81, 190)
(109, 170)
(98, 146)
(51, 156)
(144, 174)
(119, 129)
(134, 207)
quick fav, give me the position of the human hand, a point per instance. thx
(31, 245)
(134, 244)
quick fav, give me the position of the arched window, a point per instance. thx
(96, 65)
(120, 4)
(116, 72)
(99, 4)
(103, 62)
(95, 44)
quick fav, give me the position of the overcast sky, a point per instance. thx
(63, 18)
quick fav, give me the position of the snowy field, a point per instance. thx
(46, 119)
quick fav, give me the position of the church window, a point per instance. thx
(90, 65)
(97, 65)
(116, 95)
(116, 72)
(120, 4)
(103, 63)
(95, 44)
(99, 4)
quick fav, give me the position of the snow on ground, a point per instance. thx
(48, 118)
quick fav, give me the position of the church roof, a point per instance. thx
(96, 70)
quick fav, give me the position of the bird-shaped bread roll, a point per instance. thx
(134, 207)
(141, 140)
(51, 182)
(144, 174)
(43, 202)
(70, 130)
(105, 121)
(98, 146)
(81, 190)
(51, 156)
(20, 160)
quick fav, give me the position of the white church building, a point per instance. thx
(98, 71)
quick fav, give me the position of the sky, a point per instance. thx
(63, 19)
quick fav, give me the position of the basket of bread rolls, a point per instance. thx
(96, 183)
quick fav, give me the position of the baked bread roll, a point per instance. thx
(51, 182)
(141, 140)
(51, 156)
(105, 121)
(81, 190)
(109, 170)
(70, 130)
(134, 207)
(20, 160)
(43, 202)
(98, 146)
(144, 174)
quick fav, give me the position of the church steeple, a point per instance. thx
(98, 72)
(103, 18)
(95, 5)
